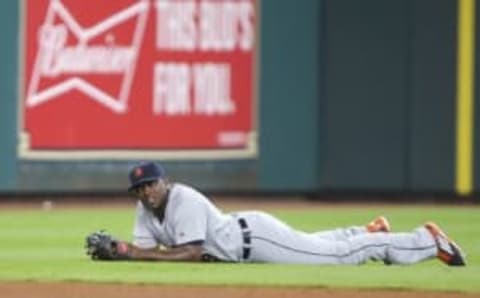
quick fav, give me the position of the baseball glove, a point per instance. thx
(101, 245)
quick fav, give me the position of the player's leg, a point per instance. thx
(378, 224)
(340, 233)
(275, 241)
(392, 248)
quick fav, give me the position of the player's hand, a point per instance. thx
(101, 245)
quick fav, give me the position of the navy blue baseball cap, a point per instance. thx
(145, 172)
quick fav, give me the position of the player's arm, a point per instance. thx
(103, 246)
(191, 252)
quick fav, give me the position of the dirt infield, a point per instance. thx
(84, 290)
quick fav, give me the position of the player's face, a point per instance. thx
(152, 193)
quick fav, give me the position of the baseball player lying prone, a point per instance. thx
(175, 222)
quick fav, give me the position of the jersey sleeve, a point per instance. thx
(190, 221)
(142, 236)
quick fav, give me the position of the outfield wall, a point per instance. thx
(343, 96)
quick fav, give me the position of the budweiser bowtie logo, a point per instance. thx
(88, 59)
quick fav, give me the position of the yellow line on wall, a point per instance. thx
(465, 108)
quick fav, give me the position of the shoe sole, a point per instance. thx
(444, 256)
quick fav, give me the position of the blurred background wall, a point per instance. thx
(352, 97)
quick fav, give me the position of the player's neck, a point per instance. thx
(160, 211)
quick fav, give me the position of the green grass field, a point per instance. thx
(48, 246)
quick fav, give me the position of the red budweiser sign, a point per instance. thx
(138, 78)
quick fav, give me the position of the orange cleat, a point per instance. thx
(448, 251)
(379, 224)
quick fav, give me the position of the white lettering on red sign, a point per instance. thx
(91, 80)
(56, 58)
(203, 89)
(175, 28)
(212, 89)
(171, 95)
(206, 25)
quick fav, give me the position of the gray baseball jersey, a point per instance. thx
(254, 236)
